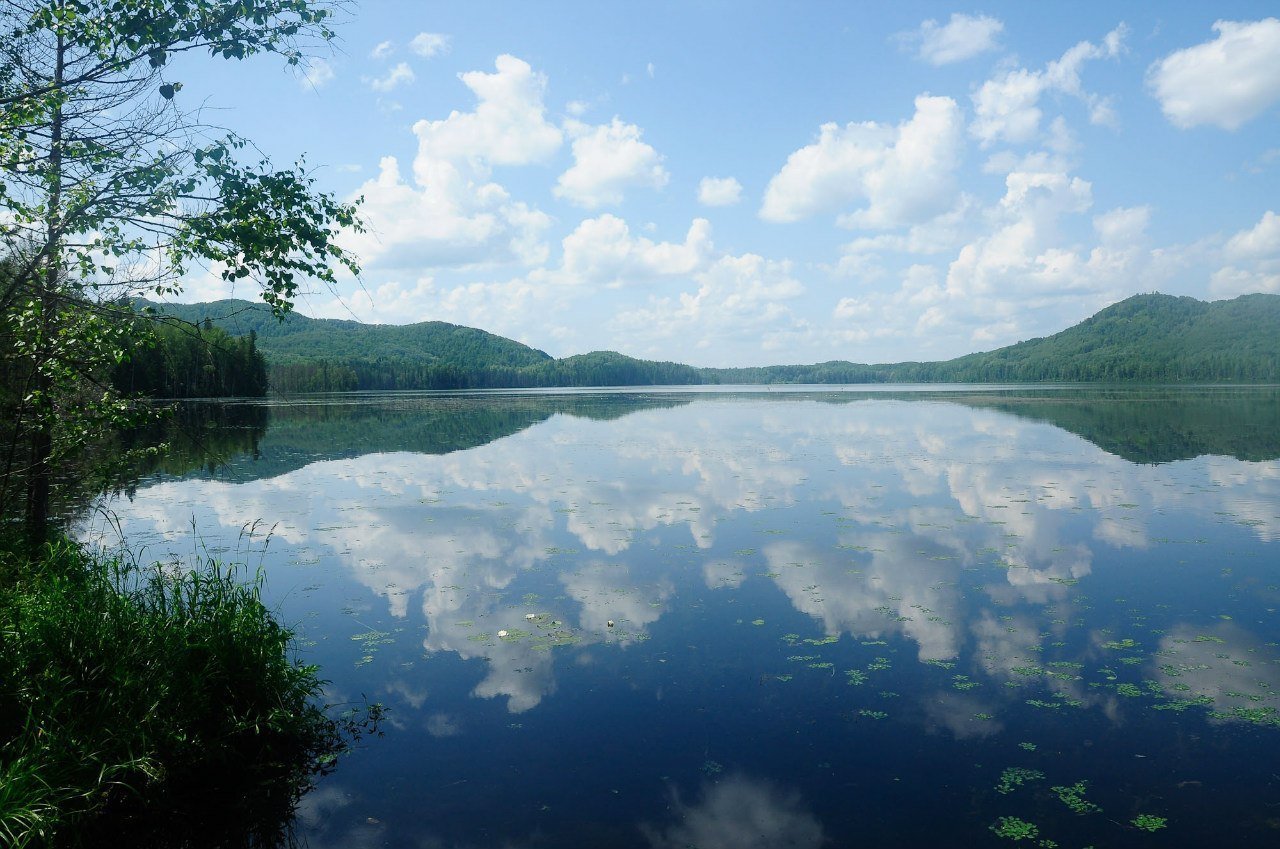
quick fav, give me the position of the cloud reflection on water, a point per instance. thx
(882, 508)
(739, 812)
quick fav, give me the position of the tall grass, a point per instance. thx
(135, 698)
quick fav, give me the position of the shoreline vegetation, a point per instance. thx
(156, 705)
(1150, 338)
(141, 705)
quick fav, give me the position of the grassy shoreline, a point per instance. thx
(155, 703)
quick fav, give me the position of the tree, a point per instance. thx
(110, 189)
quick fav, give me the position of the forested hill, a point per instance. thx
(1145, 338)
(299, 338)
(314, 355)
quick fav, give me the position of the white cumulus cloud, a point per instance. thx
(608, 159)
(451, 212)
(1262, 240)
(1007, 108)
(429, 44)
(509, 125)
(1023, 251)
(400, 75)
(719, 191)
(603, 251)
(738, 300)
(1123, 225)
(446, 216)
(906, 174)
(1224, 82)
(1253, 260)
(962, 37)
(1024, 266)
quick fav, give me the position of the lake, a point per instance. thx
(792, 617)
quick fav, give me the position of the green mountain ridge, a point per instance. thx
(1144, 338)
(298, 337)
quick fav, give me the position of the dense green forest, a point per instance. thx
(1146, 338)
(319, 355)
(192, 361)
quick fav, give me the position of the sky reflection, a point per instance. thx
(884, 564)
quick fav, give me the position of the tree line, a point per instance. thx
(191, 361)
(386, 373)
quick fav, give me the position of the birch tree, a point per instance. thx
(111, 188)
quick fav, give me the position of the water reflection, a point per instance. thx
(1221, 665)
(909, 502)
(738, 812)
(664, 587)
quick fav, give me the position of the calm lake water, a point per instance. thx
(767, 619)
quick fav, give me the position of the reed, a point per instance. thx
(135, 697)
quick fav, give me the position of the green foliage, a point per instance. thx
(92, 195)
(1149, 822)
(55, 397)
(135, 699)
(1073, 797)
(108, 191)
(178, 361)
(1015, 776)
(1012, 828)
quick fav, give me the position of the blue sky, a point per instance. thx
(748, 183)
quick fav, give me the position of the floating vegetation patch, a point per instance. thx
(1257, 716)
(1073, 797)
(1014, 777)
(1041, 703)
(1180, 705)
(1149, 822)
(1012, 828)
(369, 642)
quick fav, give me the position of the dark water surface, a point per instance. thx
(769, 619)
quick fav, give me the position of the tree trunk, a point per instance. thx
(38, 482)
